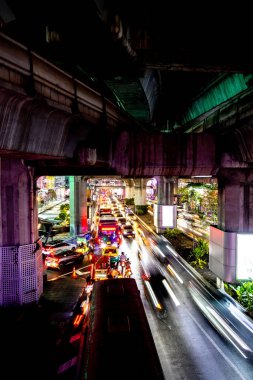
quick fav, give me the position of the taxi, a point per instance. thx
(82, 248)
(110, 251)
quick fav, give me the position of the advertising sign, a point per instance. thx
(244, 266)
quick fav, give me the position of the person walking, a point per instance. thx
(122, 262)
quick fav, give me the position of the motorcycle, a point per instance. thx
(128, 272)
(125, 266)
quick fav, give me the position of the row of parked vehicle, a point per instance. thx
(60, 253)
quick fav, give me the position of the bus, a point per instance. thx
(107, 225)
(119, 342)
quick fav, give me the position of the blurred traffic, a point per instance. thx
(166, 277)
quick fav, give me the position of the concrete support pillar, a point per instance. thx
(162, 190)
(21, 269)
(165, 217)
(140, 194)
(165, 190)
(235, 201)
(78, 205)
(129, 191)
(175, 189)
(235, 218)
(124, 189)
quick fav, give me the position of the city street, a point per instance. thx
(211, 355)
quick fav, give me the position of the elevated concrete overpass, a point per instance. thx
(58, 124)
(51, 123)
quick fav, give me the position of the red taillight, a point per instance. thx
(52, 258)
(107, 228)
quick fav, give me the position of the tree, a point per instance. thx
(64, 216)
(51, 194)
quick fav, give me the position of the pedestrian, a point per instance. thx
(122, 261)
(122, 257)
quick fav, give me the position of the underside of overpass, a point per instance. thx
(152, 58)
(167, 69)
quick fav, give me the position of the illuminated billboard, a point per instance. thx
(244, 265)
(165, 216)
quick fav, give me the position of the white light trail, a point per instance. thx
(170, 269)
(171, 293)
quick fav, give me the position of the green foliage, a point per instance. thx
(129, 201)
(172, 233)
(245, 295)
(200, 254)
(203, 245)
(230, 289)
(184, 194)
(65, 207)
(209, 186)
(62, 215)
(141, 209)
(200, 198)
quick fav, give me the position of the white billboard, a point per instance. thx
(165, 216)
(244, 265)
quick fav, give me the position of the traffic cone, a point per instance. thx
(74, 275)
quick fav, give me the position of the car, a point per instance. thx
(131, 216)
(110, 251)
(128, 231)
(105, 214)
(62, 258)
(107, 218)
(122, 221)
(55, 244)
(119, 215)
(105, 210)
